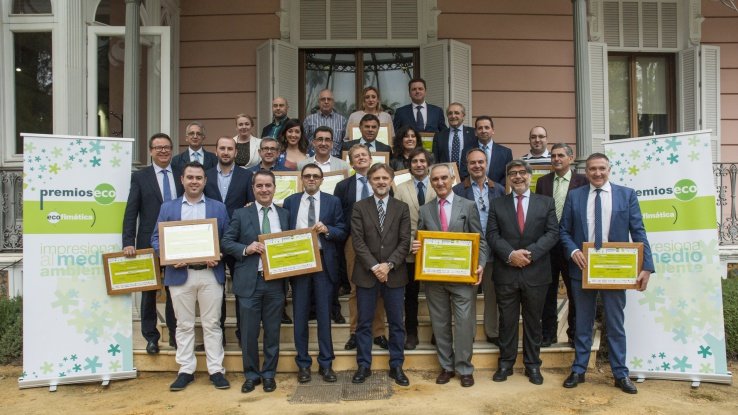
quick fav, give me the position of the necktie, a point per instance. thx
(311, 212)
(364, 188)
(559, 196)
(166, 187)
(370, 146)
(598, 220)
(442, 214)
(521, 214)
(455, 146)
(489, 158)
(197, 156)
(380, 211)
(419, 121)
(265, 225)
(421, 194)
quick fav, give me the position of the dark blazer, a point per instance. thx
(405, 115)
(626, 223)
(545, 184)
(345, 191)
(184, 157)
(172, 211)
(236, 197)
(144, 201)
(331, 215)
(441, 141)
(250, 177)
(373, 246)
(380, 146)
(501, 155)
(540, 234)
(244, 229)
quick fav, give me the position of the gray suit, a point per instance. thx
(443, 298)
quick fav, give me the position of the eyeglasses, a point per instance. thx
(312, 176)
(521, 173)
(195, 134)
(322, 140)
(269, 149)
(533, 136)
(162, 149)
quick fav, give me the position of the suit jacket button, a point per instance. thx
(381, 246)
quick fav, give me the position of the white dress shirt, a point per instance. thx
(606, 199)
(274, 224)
(160, 180)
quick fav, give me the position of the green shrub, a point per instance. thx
(730, 314)
(11, 329)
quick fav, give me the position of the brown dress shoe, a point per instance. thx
(467, 380)
(444, 377)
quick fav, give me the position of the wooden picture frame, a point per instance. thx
(286, 183)
(285, 254)
(331, 179)
(142, 271)
(439, 248)
(189, 241)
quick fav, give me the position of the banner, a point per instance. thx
(74, 196)
(675, 328)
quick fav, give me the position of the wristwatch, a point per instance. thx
(390, 265)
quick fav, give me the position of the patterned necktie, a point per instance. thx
(456, 146)
(197, 156)
(311, 212)
(364, 188)
(380, 211)
(559, 196)
(521, 214)
(421, 194)
(419, 121)
(265, 225)
(442, 214)
(598, 220)
(166, 187)
(370, 147)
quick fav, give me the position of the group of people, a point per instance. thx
(367, 232)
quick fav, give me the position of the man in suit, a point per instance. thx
(196, 283)
(322, 213)
(323, 145)
(328, 117)
(228, 184)
(481, 190)
(280, 108)
(557, 184)
(521, 230)
(539, 153)
(269, 152)
(349, 191)
(195, 136)
(449, 213)
(380, 230)
(369, 127)
(497, 155)
(448, 144)
(423, 116)
(601, 212)
(260, 301)
(150, 187)
(415, 193)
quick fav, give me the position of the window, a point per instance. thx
(31, 7)
(641, 95)
(33, 85)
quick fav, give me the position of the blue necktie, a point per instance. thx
(419, 121)
(421, 194)
(364, 188)
(167, 189)
(598, 220)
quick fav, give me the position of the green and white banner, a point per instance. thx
(74, 196)
(675, 328)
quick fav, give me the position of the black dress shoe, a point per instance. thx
(183, 379)
(269, 385)
(303, 375)
(219, 381)
(361, 374)
(444, 377)
(152, 347)
(573, 380)
(494, 340)
(350, 343)
(338, 318)
(328, 374)
(466, 381)
(382, 342)
(502, 373)
(398, 375)
(250, 385)
(285, 318)
(626, 385)
(534, 375)
(411, 341)
(547, 341)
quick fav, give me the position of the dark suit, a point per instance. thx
(260, 301)
(179, 161)
(501, 155)
(320, 285)
(374, 246)
(626, 223)
(441, 143)
(559, 265)
(144, 202)
(378, 146)
(269, 130)
(525, 286)
(434, 122)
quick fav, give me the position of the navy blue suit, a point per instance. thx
(501, 155)
(260, 301)
(183, 158)
(434, 122)
(441, 142)
(319, 285)
(626, 223)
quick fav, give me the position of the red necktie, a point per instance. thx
(521, 214)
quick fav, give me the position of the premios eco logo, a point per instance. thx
(684, 190)
(102, 194)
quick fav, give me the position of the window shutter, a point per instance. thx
(644, 24)
(598, 84)
(460, 86)
(276, 75)
(688, 90)
(446, 67)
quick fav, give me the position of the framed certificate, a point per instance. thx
(128, 274)
(188, 241)
(290, 253)
(447, 257)
(286, 183)
(331, 179)
(538, 172)
(401, 176)
(614, 267)
(427, 139)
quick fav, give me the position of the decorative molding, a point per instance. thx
(284, 19)
(695, 18)
(594, 20)
(430, 11)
